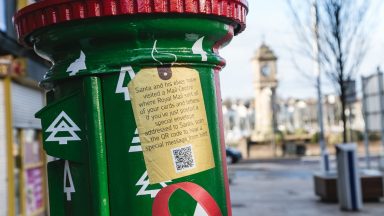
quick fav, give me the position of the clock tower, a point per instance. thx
(265, 71)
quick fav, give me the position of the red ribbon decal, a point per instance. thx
(160, 204)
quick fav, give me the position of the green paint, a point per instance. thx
(97, 149)
(85, 149)
(74, 150)
(110, 43)
(106, 175)
(81, 200)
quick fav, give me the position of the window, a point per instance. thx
(3, 24)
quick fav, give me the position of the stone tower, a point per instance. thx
(265, 71)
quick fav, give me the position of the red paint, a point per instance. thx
(144, 6)
(222, 141)
(226, 39)
(78, 14)
(45, 13)
(219, 103)
(192, 6)
(160, 6)
(110, 7)
(160, 204)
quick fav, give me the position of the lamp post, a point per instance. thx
(316, 48)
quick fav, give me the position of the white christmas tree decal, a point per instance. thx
(121, 88)
(68, 189)
(63, 123)
(144, 183)
(135, 147)
(77, 65)
(197, 48)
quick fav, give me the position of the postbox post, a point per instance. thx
(133, 104)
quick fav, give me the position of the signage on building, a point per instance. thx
(34, 190)
(5, 62)
(350, 91)
(24, 3)
(14, 66)
(34, 173)
(18, 67)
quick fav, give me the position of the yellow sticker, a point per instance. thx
(171, 119)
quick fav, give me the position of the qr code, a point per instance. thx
(183, 158)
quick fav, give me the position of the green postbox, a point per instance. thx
(133, 111)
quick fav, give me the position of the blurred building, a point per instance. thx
(22, 161)
(265, 83)
(239, 119)
(300, 115)
(268, 114)
(293, 116)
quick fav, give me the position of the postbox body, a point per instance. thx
(133, 114)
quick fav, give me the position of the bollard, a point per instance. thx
(348, 178)
(133, 103)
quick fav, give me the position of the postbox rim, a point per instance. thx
(50, 12)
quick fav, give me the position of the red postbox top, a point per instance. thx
(50, 12)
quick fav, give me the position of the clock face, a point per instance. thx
(265, 70)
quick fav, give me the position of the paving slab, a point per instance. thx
(283, 187)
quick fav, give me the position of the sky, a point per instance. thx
(270, 21)
(2, 16)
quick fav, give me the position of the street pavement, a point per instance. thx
(283, 187)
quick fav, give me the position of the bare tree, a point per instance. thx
(342, 39)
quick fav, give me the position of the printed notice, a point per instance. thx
(172, 124)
